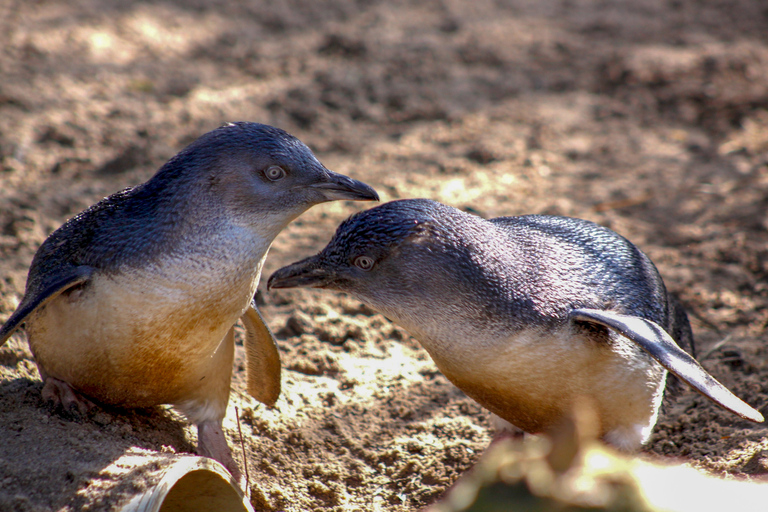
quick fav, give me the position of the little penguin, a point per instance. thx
(133, 302)
(527, 315)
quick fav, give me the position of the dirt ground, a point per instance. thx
(648, 117)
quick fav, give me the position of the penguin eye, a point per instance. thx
(274, 173)
(364, 263)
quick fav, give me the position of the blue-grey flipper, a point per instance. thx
(43, 291)
(660, 345)
(263, 359)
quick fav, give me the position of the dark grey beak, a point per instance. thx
(340, 187)
(307, 273)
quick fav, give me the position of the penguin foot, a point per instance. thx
(212, 443)
(503, 435)
(60, 396)
(504, 430)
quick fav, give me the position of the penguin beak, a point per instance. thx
(307, 273)
(339, 187)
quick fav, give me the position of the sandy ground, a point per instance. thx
(648, 117)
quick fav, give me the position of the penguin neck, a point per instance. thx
(234, 247)
(227, 262)
(449, 318)
(467, 295)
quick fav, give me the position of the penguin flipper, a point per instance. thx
(263, 359)
(42, 293)
(660, 345)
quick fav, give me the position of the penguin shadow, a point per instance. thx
(51, 458)
(437, 397)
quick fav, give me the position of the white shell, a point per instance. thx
(192, 484)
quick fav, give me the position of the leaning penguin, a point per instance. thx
(133, 301)
(525, 314)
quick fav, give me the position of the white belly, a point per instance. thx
(533, 380)
(145, 337)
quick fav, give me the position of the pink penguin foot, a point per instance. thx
(212, 443)
(501, 435)
(61, 396)
(504, 430)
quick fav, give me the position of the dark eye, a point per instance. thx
(274, 173)
(364, 263)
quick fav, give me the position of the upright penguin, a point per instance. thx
(133, 301)
(524, 314)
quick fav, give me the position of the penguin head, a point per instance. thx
(255, 172)
(385, 256)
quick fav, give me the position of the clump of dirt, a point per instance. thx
(649, 118)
